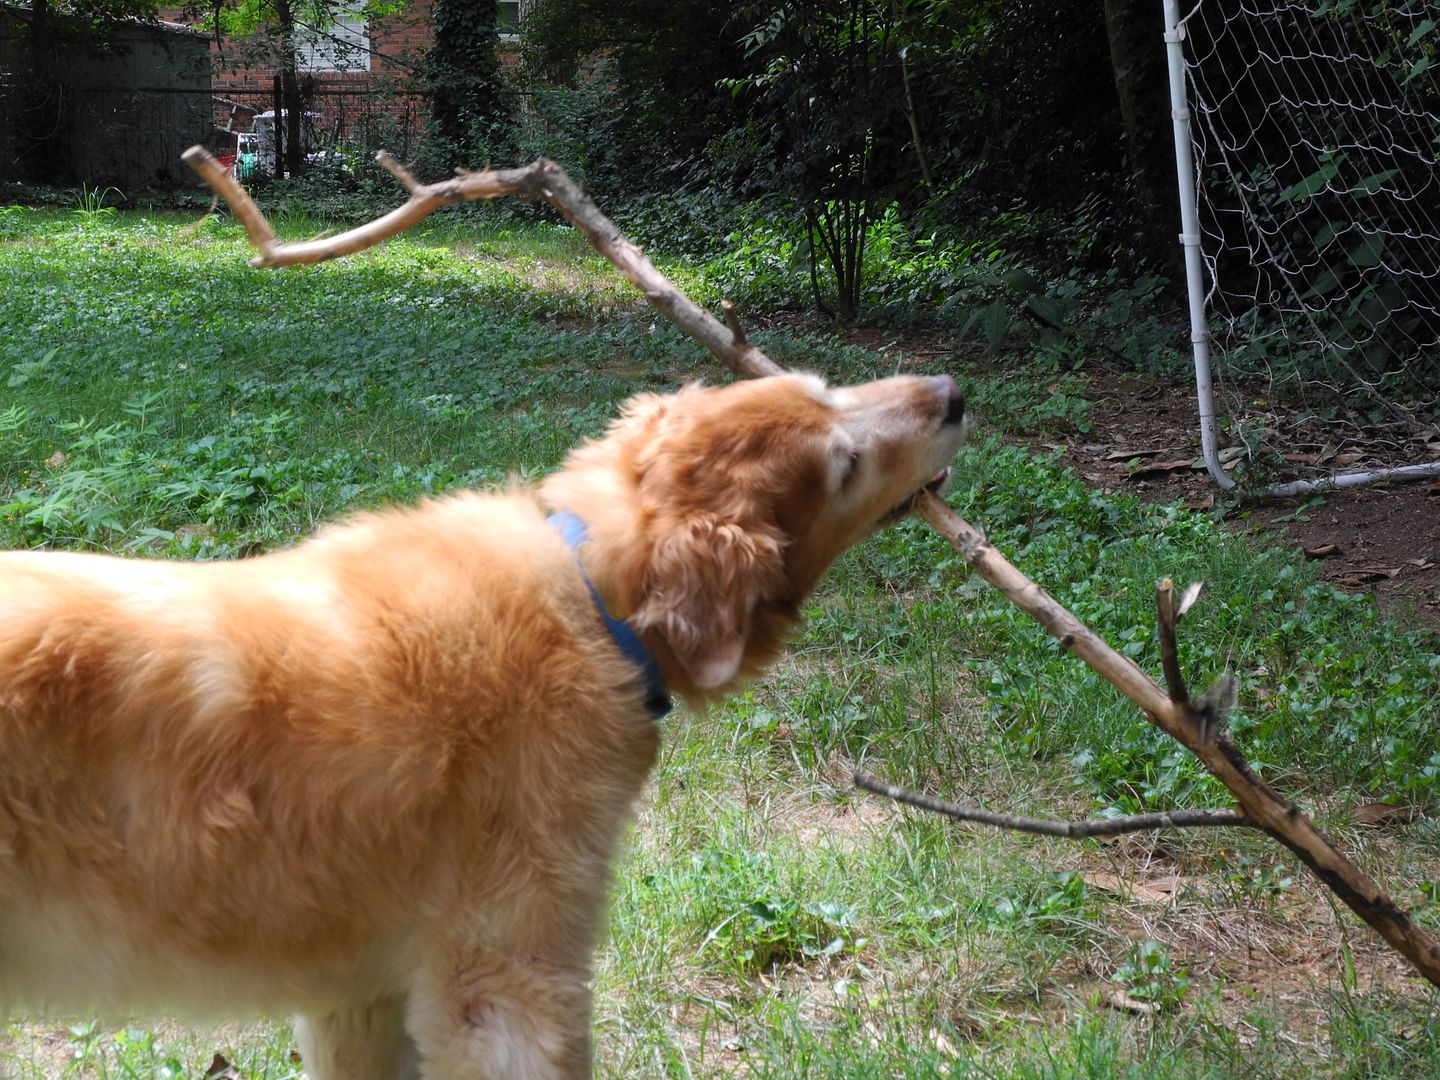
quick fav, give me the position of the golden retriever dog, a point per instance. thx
(379, 779)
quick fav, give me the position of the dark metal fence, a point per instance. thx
(342, 124)
(132, 137)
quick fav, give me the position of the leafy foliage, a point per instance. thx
(242, 18)
(1149, 975)
(469, 108)
(643, 90)
(76, 16)
(837, 166)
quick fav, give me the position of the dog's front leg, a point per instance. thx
(486, 1014)
(365, 1043)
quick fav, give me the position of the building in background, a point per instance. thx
(127, 99)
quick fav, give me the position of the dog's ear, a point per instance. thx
(704, 577)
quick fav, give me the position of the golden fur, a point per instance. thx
(378, 779)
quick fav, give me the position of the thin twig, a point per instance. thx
(1172, 819)
(733, 322)
(1188, 598)
(1166, 620)
(395, 169)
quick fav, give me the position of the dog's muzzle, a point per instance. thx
(947, 390)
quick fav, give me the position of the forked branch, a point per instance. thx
(541, 179)
(1198, 728)
(1198, 725)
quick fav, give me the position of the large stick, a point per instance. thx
(1197, 726)
(541, 179)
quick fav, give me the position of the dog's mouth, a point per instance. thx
(933, 485)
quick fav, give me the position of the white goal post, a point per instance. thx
(1307, 145)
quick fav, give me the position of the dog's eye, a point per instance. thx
(852, 467)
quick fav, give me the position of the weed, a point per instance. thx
(27, 370)
(1257, 881)
(769, 930)
(1149, 975)
(91, 208)
(11, 223)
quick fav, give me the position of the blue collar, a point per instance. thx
(657, 698)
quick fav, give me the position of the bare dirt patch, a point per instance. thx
(1381, 540)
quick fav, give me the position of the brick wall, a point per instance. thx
(397, 43)
(364, 109)
(360, 109)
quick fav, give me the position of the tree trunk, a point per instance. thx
(467, 105)
(291, 102)
(294, 118)
(1134, 29)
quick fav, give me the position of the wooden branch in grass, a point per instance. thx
(1196, 725)
(541, 179)
(1116, 826)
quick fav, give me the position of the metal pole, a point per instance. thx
(277, 137)
(1190, 238)
(1351, 479)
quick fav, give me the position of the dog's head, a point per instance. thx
(713, 512)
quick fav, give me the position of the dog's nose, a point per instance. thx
(948, 390)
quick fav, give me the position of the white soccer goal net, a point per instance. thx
(1315, 129)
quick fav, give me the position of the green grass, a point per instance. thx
(157, 396)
